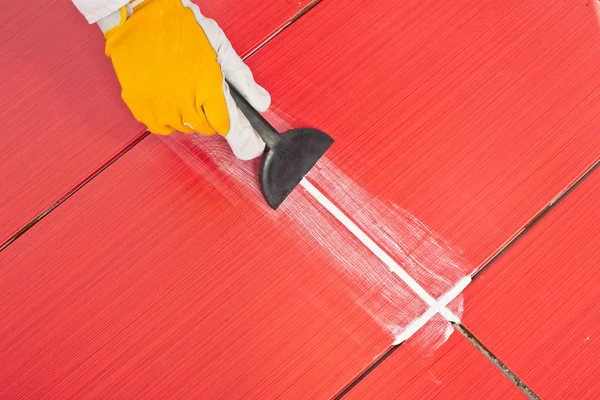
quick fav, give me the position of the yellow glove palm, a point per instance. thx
(172, 63)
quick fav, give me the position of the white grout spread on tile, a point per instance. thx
(426, 341)
(378, 291)
(431, 261)
(387, 270)
(379, 252)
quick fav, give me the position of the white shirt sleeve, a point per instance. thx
(94, 10)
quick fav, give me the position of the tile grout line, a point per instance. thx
(534, 221)
(536, 218)
(445, 299)
(473, 340)
(410, 330)
(365, 373)
(293, 19)
(72, 191)
(435, 306)
(494, 360)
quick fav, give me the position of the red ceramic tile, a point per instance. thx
(536, 307)
(456, 370)
(168, 276)
(471, 116)
(60, 106)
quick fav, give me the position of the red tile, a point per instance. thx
(61, 111)
(536, 307)
(168, 275)
(456, 370)
(471, 116)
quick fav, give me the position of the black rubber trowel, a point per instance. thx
(288, 157)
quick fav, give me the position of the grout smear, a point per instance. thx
(433, 335)
(378, 291)
(432, 262)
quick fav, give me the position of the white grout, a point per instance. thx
(415, 325)
(443, 301)
(454, 292)
(435, 306)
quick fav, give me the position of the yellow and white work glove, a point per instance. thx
(172, 64)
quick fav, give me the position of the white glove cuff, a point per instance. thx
(110, 21)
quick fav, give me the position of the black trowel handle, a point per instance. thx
(268, 134)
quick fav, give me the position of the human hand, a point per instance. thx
(173, 65)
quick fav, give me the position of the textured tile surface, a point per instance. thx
(455, 124)
(456, 370)
(168, 276)
(472, 116)
(537, 308)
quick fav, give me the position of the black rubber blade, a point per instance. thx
(285, 165)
